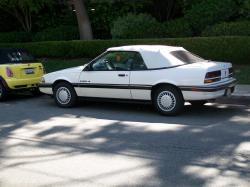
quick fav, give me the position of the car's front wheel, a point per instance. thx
(168, 100)
(65, 95)
(3, 92)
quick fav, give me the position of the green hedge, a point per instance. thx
(232, 49)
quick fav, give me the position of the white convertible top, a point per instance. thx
(155, 56)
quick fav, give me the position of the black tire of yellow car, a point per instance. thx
(177, 96)
(3, 92)
(199, 103)
(36, 92)
(68, 87)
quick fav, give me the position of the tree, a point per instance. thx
(84, 25)
(23, 10)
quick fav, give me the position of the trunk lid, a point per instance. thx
(26, 70)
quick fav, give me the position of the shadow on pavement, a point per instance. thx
(199, 147)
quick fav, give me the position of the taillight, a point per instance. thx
(213, 76)
(42, 69)
(9, 72)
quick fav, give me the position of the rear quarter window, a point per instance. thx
(186, 56)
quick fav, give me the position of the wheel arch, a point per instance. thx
(4, 83)
(161, 84)
(60, 81)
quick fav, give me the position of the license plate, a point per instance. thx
(29, 71)
(224, 73)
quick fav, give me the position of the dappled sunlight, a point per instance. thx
(243, 148)
(102, 143)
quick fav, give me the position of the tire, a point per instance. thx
(64, 95)
(168, 100)
(36, 92)
(198, 103)
(3, 92)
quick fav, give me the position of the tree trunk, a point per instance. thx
(83, 20)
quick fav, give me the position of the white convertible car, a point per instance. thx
(164, 75)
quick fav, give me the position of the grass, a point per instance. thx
(242, 73)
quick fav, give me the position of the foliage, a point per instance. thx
(57, 34)
(165, 10)
(103, 13)
(210, 12)
(56, 16)
(10, 37)
(244, 8)
(7, 23)
(136, 26)
(177, 28)
(215, 48)
(23, 10)
(241, 28)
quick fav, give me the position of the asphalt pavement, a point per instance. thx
(110, 144)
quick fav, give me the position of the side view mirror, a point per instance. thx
(87, 68)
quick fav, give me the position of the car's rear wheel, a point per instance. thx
(65, 95)
(168, 100)
(198, 103)
(3, 92)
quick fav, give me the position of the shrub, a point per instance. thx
(177, 28)
(231, 49)
(15, 37)
(228, 29)
(210, 12)
(136, 26)
(60, 33)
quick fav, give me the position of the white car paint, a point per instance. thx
(163, 68)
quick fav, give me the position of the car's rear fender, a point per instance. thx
(4, 83)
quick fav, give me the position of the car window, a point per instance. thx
(186, 56)
(19, 56)
(15, 56)
(119, 61)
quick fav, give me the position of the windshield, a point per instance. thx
(186, 56)
(15, 56)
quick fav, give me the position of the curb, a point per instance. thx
(234, 99)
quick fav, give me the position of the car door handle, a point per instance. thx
(121, 75)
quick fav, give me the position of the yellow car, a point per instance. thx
(19, 71)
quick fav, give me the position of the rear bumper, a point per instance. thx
(212, 91)
(20, 84)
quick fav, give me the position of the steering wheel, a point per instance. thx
(108, 64)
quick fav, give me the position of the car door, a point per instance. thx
(106, 77)
(140, 78)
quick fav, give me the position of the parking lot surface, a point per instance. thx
(105, 144)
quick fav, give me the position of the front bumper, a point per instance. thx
(46, 88)
(212, 91)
